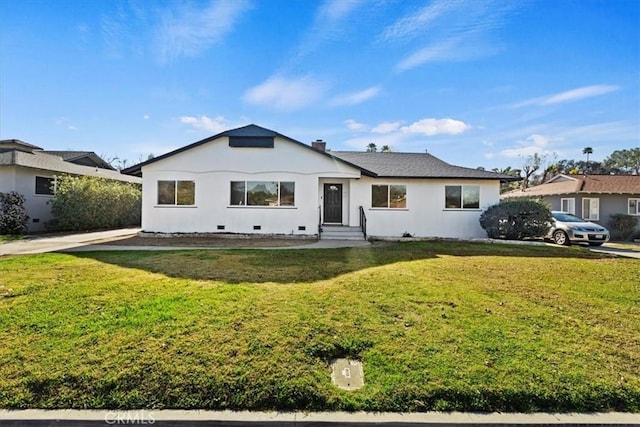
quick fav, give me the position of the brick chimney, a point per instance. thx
(319, 145)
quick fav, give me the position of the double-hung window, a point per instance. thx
(591, 208)
(389, 196)
(568, 205)
(634, 207)
(263, 193)
(462, 197)
(177, 193)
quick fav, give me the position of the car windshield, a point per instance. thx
(565, 217)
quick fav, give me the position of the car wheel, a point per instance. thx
(561, 238)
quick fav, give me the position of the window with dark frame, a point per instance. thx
(45, 186)
(389, 196)
(462, 197)
(262, 193)
(176, 193)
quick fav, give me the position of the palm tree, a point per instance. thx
(587, 151)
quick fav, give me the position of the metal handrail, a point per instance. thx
(319, 221)
(363, 222)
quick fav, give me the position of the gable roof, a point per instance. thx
(40, 160)
(581, 184)
(85, 158)
(388, 165)
(249, 131)
(414, 165)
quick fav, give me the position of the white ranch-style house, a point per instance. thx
(252, 180)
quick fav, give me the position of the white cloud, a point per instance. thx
(72, 127)
(145, 117)
(431, 127)
(528, 147)
(333, 11)
(215, 125)
(355, 126)
(580, 93)
(286, 94)
(386, 127)
(450, 30)
(187, 31)
(569, 96)
(356, 97)
(328, 24)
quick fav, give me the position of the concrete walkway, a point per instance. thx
(605, 249)
(35, 417)
(95, 241)
(48, 243)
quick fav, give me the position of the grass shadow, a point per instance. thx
(310, 265)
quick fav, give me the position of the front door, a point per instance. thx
(333, 203)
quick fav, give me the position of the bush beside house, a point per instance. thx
(517, 220)
(90, 203)
(13, 214)
(623, 227)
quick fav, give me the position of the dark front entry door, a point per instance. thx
(333, 203)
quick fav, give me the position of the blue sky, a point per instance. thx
(474, 82)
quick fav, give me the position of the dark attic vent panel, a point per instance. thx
(251, 141)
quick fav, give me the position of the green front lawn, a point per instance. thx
(438, 326)
(9, 238)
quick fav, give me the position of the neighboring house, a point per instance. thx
(592, 197)
(254, 180)
(31, 171)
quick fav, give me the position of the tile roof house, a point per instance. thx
(593, 197)
(255, 180)
(31, 171)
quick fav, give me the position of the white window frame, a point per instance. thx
(176, 183)
(389, 203)
(592, 212)
(462, 207)
(244, 202)
(571, 205)
(636, 202)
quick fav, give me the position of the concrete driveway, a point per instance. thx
(50, 243)
(609, 249)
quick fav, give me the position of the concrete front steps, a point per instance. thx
(341, 232)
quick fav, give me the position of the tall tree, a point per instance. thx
(372, 148)
(511, 185)
(626, 161)
(530, 167)
(385, 149)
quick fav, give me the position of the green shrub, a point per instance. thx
(622, 226)
(517, 220)
(91, 203)
(13, 214)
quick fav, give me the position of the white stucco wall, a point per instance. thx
(425, 215)
(23, 180)
(214, 165)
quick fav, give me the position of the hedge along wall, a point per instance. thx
(90, 203)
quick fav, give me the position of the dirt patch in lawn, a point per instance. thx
(210, 241)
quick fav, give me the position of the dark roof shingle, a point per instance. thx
(413, 165)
